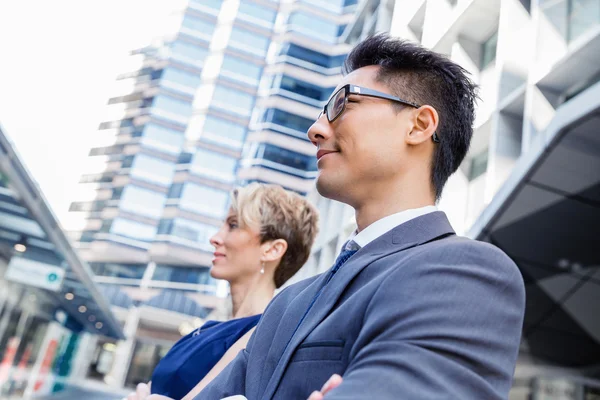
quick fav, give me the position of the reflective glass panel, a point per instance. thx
(128, 271)
(248, 41)
(314, 27)
(204, 200)
(133, 229)
(142, 201)
(213, 164)
(193, 231)
(179, 79)
(197, 25)
(192, 275)
(233, 101)
(161, 138)
(221, 131)
(242, 70)
(253, 10)
(188, 53)
(152, 169)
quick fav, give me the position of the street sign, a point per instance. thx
(35, 273)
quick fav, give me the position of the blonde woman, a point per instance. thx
(265, 239)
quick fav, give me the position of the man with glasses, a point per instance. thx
(409, 310)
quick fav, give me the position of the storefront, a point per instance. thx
(51, 313)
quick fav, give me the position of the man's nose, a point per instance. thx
(320, 130)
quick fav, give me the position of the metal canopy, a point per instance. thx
(27, 219)
(547, 219)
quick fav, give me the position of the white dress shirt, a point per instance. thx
(384, 225)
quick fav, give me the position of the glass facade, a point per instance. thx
(132, 229)
(140, 201)
(188, 53)
(275, 157)
(292, 96)
(249, 41)
(212, 164)
(257, 12)
(571, 18)
(312, 59)
(198, 27)
(195, 232)
(180, 80)
(152, 170)
(203, 200)
(488, 50)
(315, 28)
(233, 101)
(161, 138)
(220, 131)
(178, 274)
(171, 108)
(240, 70)
(126, 271)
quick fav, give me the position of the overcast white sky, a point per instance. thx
(58, 64)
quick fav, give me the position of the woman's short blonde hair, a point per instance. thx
(278, 214)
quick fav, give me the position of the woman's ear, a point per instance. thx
(274, 250)
(425, 124)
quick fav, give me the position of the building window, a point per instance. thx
(241, 70)
(197, 27)
(314, 27)
(220, 131)
(141, 201)
(152, 170)
(193, 275)
(172, 108)
(488, 50)
(312, 56)
(288, 120)
(212, 4)
(214, 165)
(257, 12)
(127, 271)
(285, 157)
(478, 165)
(133, 229)
(233, 101)
(188, 53)
(193, 231)
(180, 80)
(582, 15)
(248, 41)
(305, 89)
(161, 138)
(203, 200)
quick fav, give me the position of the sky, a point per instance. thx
(58, 64)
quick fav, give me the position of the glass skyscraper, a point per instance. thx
(225, 97)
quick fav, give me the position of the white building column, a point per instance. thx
(124, 351)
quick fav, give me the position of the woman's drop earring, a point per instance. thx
(262, 270)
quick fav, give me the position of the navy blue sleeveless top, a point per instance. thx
(194, 355)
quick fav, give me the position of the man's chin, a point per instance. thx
(328, 189)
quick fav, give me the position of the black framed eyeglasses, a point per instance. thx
(337, 103)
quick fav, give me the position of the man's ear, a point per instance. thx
(274, 250)
(425, 124)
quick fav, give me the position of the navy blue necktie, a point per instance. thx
(340, 260)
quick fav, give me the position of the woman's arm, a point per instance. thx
(229, 355)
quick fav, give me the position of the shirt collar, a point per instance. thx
(384, 225)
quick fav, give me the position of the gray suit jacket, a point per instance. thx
(418, 313)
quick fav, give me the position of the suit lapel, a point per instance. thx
(410, 234)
